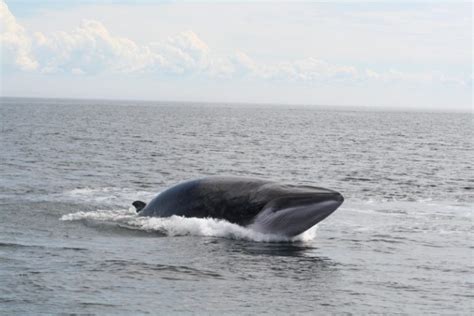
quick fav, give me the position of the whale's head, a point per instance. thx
(296, 210)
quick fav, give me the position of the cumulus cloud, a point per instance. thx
(313, 69)
(15, 43)
(183, 53)
(91, 49)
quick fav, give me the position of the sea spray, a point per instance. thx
(182, 226)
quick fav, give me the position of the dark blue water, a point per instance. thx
(71, 243)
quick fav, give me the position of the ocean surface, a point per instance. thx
(70, 242)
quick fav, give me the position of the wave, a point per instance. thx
(182, 226)
(114, 195)
(420, 208)
(107, 195)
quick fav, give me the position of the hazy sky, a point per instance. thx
(383, 53)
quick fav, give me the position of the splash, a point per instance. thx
(182, 226)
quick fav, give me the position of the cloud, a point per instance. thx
(183, 53)
(91, 49)
(313, 69)
(77, 71)
(15, 44)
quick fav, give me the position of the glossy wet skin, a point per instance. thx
(266, 206)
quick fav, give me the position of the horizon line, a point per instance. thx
(355, 107)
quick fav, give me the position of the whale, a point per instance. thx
(262, 205)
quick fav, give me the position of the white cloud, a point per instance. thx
(77, 71)
(313, 69)
(15, 44)
(308, 69)
(92, 49)
(183, 53)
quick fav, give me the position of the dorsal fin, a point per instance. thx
(139, 205)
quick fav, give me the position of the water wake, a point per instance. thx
(182, 226)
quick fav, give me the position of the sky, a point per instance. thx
(408, 55)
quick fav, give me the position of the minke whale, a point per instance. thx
(262, 205)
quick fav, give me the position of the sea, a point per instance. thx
(71, 243)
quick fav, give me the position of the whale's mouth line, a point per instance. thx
(292, 201)
(296, 218)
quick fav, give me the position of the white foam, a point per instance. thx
(181, 226)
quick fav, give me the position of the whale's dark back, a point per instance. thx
(232, 199)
